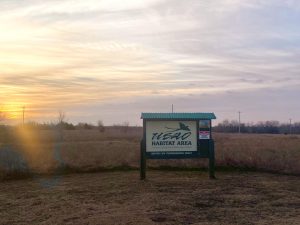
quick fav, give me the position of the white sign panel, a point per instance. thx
(164, 136)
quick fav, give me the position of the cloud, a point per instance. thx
(56, 54)
(39, 7)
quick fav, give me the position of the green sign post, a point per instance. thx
(177, 136)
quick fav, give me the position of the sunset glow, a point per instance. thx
(113, 59)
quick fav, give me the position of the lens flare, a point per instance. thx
(36, 147)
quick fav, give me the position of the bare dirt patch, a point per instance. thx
(167, 197)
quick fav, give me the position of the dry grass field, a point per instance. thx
(166, 197)
(32, 151)
(58, 193)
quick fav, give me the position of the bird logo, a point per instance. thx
(182, 126)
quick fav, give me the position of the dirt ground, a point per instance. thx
(166, 197)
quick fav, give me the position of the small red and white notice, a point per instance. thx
(204, 135)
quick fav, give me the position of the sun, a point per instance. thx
(12, 115)
(12, 110)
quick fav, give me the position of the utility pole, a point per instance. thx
(23, 115)
(239, 122)
(290, 126)
(172, 108)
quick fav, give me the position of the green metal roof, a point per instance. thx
(203, 116)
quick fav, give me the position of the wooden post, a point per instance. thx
(212, 160)
(143, 161)
(143, 154)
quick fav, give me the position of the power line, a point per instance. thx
(239, 122)
(23, 114)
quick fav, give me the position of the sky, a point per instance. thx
(110, 60)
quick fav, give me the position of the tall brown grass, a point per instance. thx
(29, 151)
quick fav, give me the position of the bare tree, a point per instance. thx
(60, 121)
(101, 127)
(61, 117)
(125, 126)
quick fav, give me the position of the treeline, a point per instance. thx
(69, 126)
(63, 125)
(268, 127)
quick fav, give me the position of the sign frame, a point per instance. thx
(205, 147)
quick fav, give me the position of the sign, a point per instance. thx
(204, 135)
(177, 136)
(171, 136)
(204, 129)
